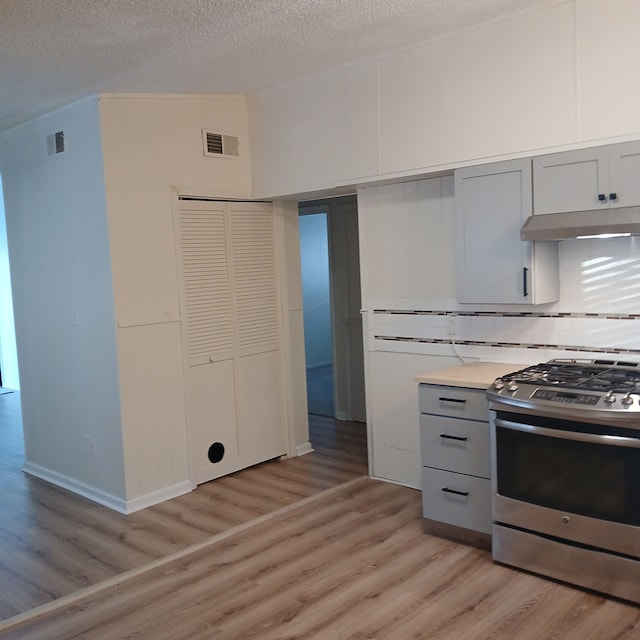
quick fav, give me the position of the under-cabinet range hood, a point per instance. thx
(578, 224)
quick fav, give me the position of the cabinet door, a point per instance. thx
(207, 316)
(231, 335)
(259, 378)
(491, 203)
(624, 163)
(571, 181)
(212, 420)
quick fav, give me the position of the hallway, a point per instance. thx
(320, 390)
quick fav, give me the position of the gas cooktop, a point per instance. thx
(603, 385)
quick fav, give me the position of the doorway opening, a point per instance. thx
(330, 266)
(8, 352)
(316, 303)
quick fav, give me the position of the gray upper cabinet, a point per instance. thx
(586, 179)
(624, 174)
(493, 265)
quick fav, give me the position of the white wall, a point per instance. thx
(91, 235)
(406, 237)
(557, 77)
(294, 119)
(62, 291)
(152, 149)
(406, 256)
(500, 89)
(608, 53)
(314, 254)
(287, 221)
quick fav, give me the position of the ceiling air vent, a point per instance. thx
(220, 145)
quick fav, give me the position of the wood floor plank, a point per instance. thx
(53, 542)
(390, 600)
(355, 564)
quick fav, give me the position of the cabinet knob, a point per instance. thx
(602, 197)
(613, 196)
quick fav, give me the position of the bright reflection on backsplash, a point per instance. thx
(597, 316)
(600, 275)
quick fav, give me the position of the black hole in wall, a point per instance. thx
(216, 452)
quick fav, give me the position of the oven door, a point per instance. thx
(569, 480)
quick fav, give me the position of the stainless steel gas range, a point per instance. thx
(565, 440)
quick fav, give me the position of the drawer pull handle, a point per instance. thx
(456, 400)
(458, 493)
(446, 436)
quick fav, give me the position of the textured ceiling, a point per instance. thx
(55, 51)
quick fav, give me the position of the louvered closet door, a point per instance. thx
(231, 334)
(258, 332)
(208, 339)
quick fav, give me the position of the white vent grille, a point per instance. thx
(220, 145)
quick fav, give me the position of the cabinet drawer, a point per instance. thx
(455, 445)
(457, 402)
(472, 510)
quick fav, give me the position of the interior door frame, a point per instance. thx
(339, 295)
(290, 427)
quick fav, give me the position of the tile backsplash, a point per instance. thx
(598, 314)
(600, 275)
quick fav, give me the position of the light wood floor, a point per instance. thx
(350, 565)
(281, 551)
(53, 543)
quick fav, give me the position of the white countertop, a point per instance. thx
(474, 375)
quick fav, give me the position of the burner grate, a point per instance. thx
(602, 376)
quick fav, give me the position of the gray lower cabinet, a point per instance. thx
(454, 444)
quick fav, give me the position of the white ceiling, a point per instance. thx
(53, 52)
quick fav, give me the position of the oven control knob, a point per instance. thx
(512, 386)
(627, 400)
(609, 398)
(498, 384)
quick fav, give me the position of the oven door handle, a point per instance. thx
(594, 438)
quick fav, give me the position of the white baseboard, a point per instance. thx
(106, 499)
(85, 490)
(303, 449)
(155, 497)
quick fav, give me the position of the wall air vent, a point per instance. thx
(220, 145)
(55, 143)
